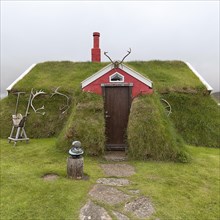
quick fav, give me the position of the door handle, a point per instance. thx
(107, 116)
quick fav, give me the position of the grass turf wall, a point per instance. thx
(37, 126)
(196, 118)
(151, 134)
(195, 115)
(86, 124)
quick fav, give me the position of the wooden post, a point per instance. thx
(75, 167)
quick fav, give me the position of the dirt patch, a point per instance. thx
(116, 156)
(108, 195)
(91, 211)
(50, 177)
(85, 177)
(113, 181)
(118, 170)
(140, 207)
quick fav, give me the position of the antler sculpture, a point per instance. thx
(67, 106)
(34, 95)
(117, 63)
(129, 51)
(105, 53)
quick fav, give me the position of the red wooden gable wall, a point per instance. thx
(137, 89)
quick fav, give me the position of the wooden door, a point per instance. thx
(117, 109)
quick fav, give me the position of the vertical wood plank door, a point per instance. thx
(117, 109)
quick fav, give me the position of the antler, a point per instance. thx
(67, 106)
(117, 63)
(34, 95)
(108, 57)
(129, 51)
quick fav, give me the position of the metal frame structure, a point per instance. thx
(18, 128)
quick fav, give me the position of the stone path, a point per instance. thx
(113, 181)
(115, 156)
(118, 170)
(121, 204)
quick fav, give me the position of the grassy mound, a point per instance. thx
(86, 124)
(196, 118)
(151, 134)
(37, 125)
(47, 77)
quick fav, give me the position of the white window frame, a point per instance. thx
(116, 73)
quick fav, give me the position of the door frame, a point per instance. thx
(129, 85)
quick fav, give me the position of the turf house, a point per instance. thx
(150, 109)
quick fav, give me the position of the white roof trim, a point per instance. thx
(96, 75)
(122, 67)
(137, 75)
(209, 88)
(21, 76)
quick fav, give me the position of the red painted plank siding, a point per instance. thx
(138, 86)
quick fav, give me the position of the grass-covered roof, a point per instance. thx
(194, 120)
(166, 75)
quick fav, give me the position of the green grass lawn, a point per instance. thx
(178, 191)
(183, 191)
(25, 195)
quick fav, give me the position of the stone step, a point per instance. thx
(115, 156)
(118, 170)
(113, 181)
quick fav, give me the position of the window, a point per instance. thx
(116, 77)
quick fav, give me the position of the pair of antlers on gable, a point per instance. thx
(117, 63)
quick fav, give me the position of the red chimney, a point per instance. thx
(96, 52)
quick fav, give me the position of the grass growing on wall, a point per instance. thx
(37, 125)
(5, 117)
(151, 134)
(46, 76)
(196, 118)
(86, 124)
